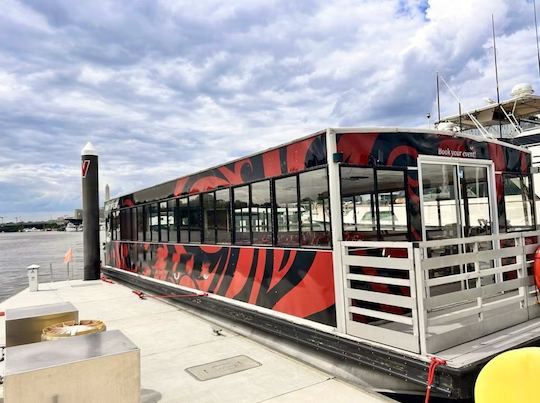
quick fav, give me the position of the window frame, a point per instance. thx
(375, 197)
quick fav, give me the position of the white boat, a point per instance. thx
(515, 120)
(70, 227)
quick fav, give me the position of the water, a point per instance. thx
(18, 250)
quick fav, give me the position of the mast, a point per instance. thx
(496, 70)
(438, 101)
(536, 29)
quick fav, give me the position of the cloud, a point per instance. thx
(165, 88)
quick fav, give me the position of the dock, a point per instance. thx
(173, 338)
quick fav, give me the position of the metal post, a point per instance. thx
(90, 204)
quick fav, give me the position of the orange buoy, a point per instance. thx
(536, 267)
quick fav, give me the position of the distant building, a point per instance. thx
(77, 214)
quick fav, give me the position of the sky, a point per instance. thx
(163, 88)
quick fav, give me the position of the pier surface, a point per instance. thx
(173, 339)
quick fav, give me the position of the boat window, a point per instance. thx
(209, 222)
(134, 229)
(518, 201)
(183, 219)
(286, 210)
(374, 205)
(164, 222)
(147, 223)
(125, 224)
(358, 203)
(153, 221)
(241, 215)
(140, 223)
(261, 213)
(440, 198)
(474, 201)
(194, 219)
(392, 205)
(222, 216)
(114, 225)
(171, 219)
(315, 208)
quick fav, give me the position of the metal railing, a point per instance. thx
(429, 296)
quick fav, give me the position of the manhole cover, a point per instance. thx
(221, 368)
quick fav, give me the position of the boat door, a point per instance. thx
(457, 198)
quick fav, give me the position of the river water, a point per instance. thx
(18, 250)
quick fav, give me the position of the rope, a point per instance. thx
(106, 279)
(2, 313)
(435, 362)
(142, 295)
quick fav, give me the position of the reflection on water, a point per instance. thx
(18, 250)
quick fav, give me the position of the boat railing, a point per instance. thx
(428, 296)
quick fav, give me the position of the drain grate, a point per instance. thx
(217, 369)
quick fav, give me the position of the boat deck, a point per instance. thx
(172, 339)
(486, 347)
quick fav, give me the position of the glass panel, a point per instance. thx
(475, 212)
(208, 218)
(392, 205)
(140, 223)
(183, 217)
(125, 224)
(133, 216)
(154, 222)
(518, 203)
(241, 215)
(223, 221)
(148, 224)
(261, 213)
(171, 219)
(314, 208)
(358, 204)
(195, 219)
(440, 201)
(286, 197)
(164, 222)
(114, 224)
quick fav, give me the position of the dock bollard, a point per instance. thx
(32, 272)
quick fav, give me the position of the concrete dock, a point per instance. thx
(172, 338)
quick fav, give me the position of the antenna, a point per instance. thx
(478, 125)
(496, 70)
(439, 100)
(536, 28)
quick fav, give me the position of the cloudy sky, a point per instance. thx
(164, 87)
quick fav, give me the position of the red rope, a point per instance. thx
(435, 362)
(2, 313)
(106, 279)
(142, 295)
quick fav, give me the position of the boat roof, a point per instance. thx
(337, 130)
(489, 115)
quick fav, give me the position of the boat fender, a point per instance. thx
(536, 267)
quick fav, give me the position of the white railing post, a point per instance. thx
(522, 271)
(420, 296)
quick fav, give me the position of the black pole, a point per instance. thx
(90, 204)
